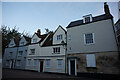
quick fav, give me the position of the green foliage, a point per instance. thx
(7, 35)
(48, 31)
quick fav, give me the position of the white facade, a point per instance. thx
(22, 42)
(35, 39)
(59, 31)
(12, 43)
(44, 58)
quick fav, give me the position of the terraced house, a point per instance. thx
(46, 53)
(92, 45)
(15, 53)
(9, 59)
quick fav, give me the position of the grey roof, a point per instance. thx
(94, 19)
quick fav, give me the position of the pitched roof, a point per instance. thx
(61, 27)
(16, 40)
(117, 22)
(28, 39)
(48, 41)
(94, 19)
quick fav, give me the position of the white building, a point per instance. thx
(48, 53)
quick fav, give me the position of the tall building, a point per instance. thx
(92, 45)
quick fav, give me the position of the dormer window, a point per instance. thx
(87, 18)
(59, 37)
(22, 43)
(34, 40)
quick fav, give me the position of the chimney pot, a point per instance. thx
(38, 32)
(106, 8)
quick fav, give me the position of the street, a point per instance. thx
(9, 73)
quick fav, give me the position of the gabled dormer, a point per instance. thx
(59, 36)
(36, 37)
(12, 43)
(87, 18)
(24, 40)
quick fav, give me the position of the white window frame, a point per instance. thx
(31, 53)
(90, 15)
(59, 37)
(35, 62)
(29, 62)
(85, 39)
(47, 63)
(90, 60)
(59, 66)
(56, 50)
(22, 43)
(34, 40)
(18, 62)
(20, 54)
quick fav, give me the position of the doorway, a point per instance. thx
(41, 66)
(72, 67)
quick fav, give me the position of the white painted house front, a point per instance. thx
(49, 54)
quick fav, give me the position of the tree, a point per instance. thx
(7, 35)
(48, 31)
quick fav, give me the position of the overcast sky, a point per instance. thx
(30, 16)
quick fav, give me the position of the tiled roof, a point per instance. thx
(28, 39)
(16, 40)
(49, 40)
(94, 19)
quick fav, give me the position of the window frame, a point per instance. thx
(93, 65)
(59, 37)
(35, 62)
(93, 38)
(29, 62)
(19, 62)
(47, 62)
(31, 53)
(34, 40)
(19, 53)
(56, 50)
(58, 66)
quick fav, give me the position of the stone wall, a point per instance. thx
(106, 62)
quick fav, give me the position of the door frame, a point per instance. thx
(70, 66)
(39, 65)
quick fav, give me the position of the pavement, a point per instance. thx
(10, 74)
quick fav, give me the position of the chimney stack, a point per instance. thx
(106, 8)
(38, 32)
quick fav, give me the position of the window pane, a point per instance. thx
(89, 38)
(60, 63)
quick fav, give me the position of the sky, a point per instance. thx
(31, 16)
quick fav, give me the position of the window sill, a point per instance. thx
(55, 53)
(90, 44)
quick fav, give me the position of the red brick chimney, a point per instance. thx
(106, 8)
(38, 32)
